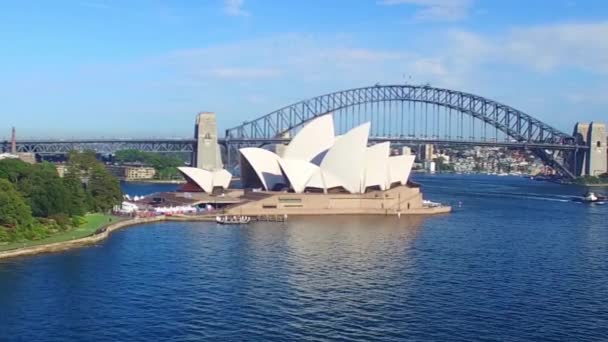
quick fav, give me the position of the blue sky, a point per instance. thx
(144, 68)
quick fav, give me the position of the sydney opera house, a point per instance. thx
(318, 161)
(201, 180)
(317, 173)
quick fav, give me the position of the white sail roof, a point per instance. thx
(376, 165)
(316, 180)
(221, 178)
(345, 160)
(298, 172)
(313, 139)
(316, 158)
(266, 166)
(400, 168)
(205, 179)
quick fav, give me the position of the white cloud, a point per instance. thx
(436, 10)
(585, 96)
(235, 8)
(303, 58)
(541, 48)
(433, 67)
(244, 73)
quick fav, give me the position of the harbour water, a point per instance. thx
(517, 260)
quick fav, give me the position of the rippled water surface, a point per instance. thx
(516, 261)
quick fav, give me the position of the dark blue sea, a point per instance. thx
(517, 260)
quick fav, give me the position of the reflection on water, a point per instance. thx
(504, 266)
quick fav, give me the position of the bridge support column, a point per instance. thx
(279, 148)
(207, 154)
(594, 161)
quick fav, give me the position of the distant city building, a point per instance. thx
(432, 167)
(139, 173)
(8, 156)
(62, 169)
(29, 158)
(132, 173)
(427, 153)
(445, 157)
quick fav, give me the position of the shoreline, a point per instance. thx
(107, 230)
(599, 185)
(154, 181)
(591, 185)
(71, 244)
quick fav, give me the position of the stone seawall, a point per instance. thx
(89, 240)
(252, 211)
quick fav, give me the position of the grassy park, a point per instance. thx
(93, 222)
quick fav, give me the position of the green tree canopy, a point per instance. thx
(45, 191)
(78, 201)
(84, 161)
(14, 170)
(104, 189)
(442, 165)
(13, 209)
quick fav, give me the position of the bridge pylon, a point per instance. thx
(594, 160)
(207, 154)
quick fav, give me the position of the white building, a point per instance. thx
(8, 156)
(204, 180)
(318, 161)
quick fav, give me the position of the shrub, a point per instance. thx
(78, 221)
(5, 236)
(35, 232)
(62, 220)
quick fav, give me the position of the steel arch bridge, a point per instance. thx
(414, 114)
(102, 146)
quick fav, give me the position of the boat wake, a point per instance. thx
(526, 196)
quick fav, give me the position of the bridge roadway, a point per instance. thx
(111, 146)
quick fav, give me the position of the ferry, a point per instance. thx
(232, 219)
(591, 197)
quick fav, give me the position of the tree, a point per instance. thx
(14, 170)
(14, 212)
(104, 189)
(83, 161)
(45, 191)
(442, 165)
(78, 203)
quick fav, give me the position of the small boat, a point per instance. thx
(232, 219)
(429, 204)
(591, 197)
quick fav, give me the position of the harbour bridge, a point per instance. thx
(401, 114)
